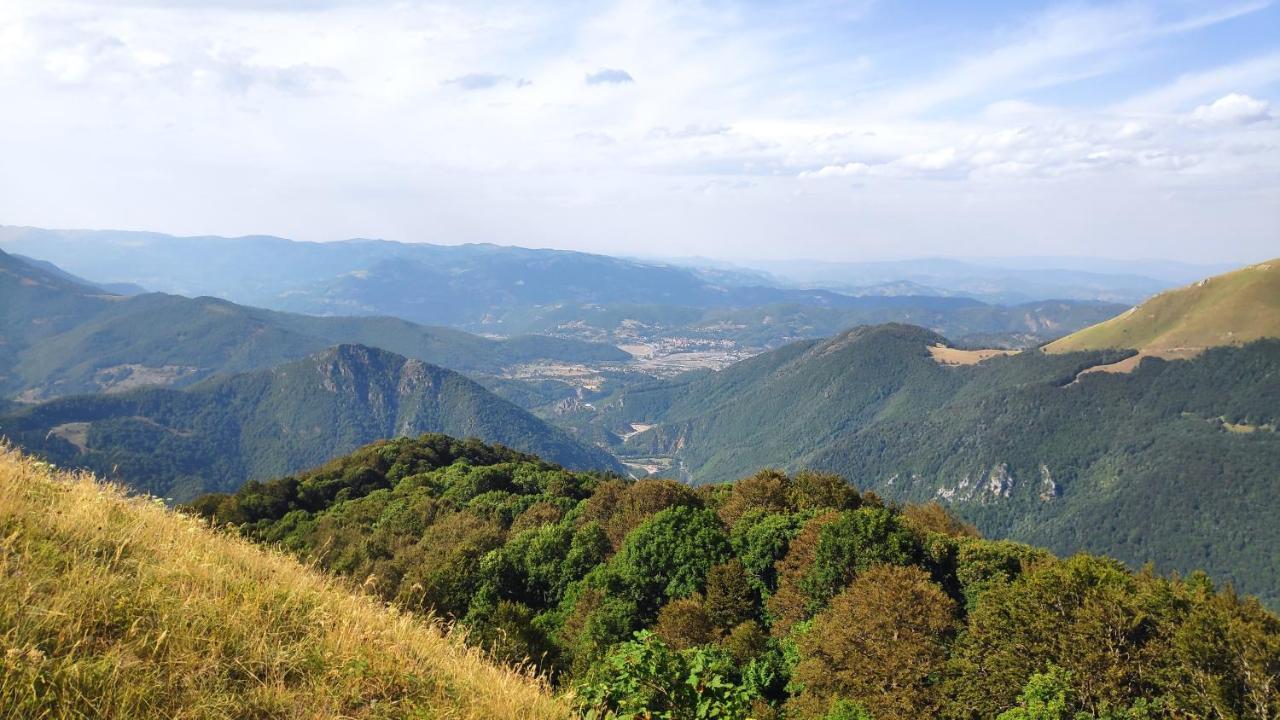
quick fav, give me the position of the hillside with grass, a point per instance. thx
(217, 434)
(1230, 309)
(776, 596)
(116, 607)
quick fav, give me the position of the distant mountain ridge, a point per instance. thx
(995, 280)
(216, 435)
(60, 337)
(510, 290)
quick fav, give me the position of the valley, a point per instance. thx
(514, 483)
(639, 360)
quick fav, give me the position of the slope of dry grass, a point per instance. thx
(116, 607)
(1229, 309)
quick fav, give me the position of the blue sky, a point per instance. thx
(841, 130)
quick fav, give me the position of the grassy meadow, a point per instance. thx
(116, 607)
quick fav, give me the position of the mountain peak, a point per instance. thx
(1229, 309)
(886, 331)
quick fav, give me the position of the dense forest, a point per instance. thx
(776, 596)
(181, 443)
(1174, 463)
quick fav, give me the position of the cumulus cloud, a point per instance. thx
(83, 56)
(133, 111)
(609, 76)
(688, 131)
(943, 159)
(830, 171)
(484, 81)
(1233, 109)
(1133, 130)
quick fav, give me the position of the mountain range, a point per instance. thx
(1036, 445)
(510, 290)
(61, 337)
(228, 429)
(1104, 440)
(1008, 280)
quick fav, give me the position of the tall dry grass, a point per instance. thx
(116, 607)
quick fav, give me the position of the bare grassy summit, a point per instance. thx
(116, 607)
(1229, 309)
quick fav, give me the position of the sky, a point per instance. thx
(818, 129)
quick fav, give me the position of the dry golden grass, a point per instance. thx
(1230, 309)
(944, 355)
(117, 607)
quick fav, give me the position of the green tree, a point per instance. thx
(684, 623)
(852, 543)
(644, 679)
(882, 643)
(668, 557)
(731, 599)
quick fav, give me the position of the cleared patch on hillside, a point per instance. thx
(116, 607)
(76, 433)
(1132, 362)
(123, 378)
(944, 355)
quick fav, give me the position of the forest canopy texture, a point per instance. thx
(776, 596)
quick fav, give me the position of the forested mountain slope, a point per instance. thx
(1177, 463)
(59, 337)
(114, 607)
(773, 596)
(215, 435)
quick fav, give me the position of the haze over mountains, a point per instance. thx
(511, 290)
(62, 337)
(1039, 446)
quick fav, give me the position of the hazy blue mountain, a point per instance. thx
(507, 290)
(771, 325)
(342, 277)
(112, 288)
(219, 433)
(1010, 280)
(60, 337)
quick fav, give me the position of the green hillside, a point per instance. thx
(60, 338)
(114, 607)
(1229, 309)
(776, 596)
(1174, 464)
(215, 435)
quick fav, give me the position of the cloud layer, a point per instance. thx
(652, 126)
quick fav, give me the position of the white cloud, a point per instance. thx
(943, 159)
(1247, 75)
(609, 76)
(217, 117)
(1233, 109)
(846, 170)
(485, 81)
(1133, 130)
